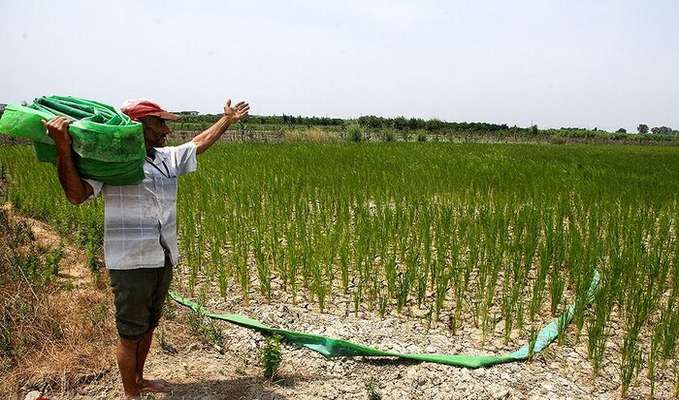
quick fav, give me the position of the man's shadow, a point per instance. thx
(247, 387)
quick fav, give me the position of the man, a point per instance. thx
(140, 235)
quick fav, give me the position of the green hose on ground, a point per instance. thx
(332, 347)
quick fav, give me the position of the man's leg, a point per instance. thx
(148, 385)
(142, 352)
(132, 290)
(164, 277)
(126, 353)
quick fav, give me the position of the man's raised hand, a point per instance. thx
(237, 112)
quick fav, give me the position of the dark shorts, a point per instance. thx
(139, 295)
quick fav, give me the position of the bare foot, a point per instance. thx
(154, 386)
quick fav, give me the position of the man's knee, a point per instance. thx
(130, 342)
(135, 339)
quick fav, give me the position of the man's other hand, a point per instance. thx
(57, 129)
(237, 112)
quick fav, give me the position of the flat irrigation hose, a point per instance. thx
(331, 347)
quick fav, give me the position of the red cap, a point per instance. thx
(138, 108)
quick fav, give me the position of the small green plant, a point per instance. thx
(373, 393)
(53, 259)
(207, 330)
(91, 257)
(170, 309)
(421, 137)
(163, 342)
(195, 321)
(271, 356)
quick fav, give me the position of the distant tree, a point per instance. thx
(534, 129)
(622, 130)
(416, 123)
(400, 123)
(371, 121)
(642, 128)
(661, 130)
(434, 125)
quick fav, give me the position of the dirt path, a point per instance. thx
(204, 370)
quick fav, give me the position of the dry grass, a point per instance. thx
(55, 335)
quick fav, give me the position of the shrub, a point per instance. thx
(389, 136)
(355, 133)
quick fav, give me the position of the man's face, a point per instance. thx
(155, 131)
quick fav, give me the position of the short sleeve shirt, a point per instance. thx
(140, 222)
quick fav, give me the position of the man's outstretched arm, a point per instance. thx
(76, 189)
(231, 115)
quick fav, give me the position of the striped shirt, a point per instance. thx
(140, 222)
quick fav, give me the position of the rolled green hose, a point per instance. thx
(108, 145)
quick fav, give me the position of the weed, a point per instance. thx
(271, 356)
(206, 329)
(373, 392)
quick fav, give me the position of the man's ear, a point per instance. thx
(144, 120)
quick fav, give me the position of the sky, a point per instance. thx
(605, 64)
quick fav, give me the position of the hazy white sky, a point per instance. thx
(605, 64)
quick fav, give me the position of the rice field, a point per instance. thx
(495, 234)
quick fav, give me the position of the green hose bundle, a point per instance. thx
(108, 145)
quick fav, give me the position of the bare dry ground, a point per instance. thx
(228, 366)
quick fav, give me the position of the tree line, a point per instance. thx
(434, 126)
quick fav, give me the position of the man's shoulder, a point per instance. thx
(180, 147)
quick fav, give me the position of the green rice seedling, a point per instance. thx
(557, 285)
(531, 342)
(263, 269)
(539, 286)
(597, 332)
(653, 356)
